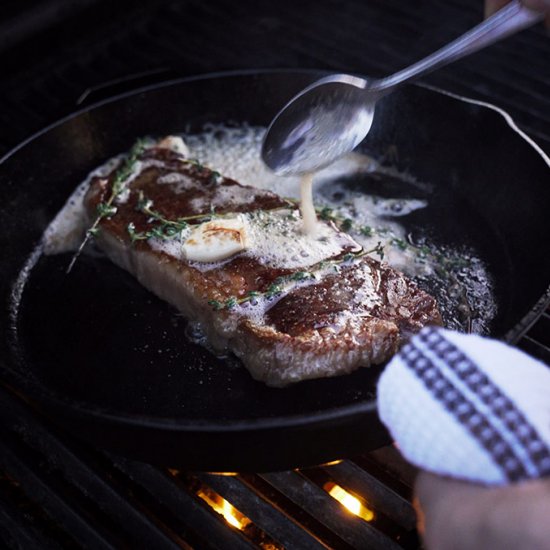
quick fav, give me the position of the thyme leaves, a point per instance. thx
(421, 253)
(286, 283)
(232, 301)
(107, 209)
(344, 223)
(165, 228)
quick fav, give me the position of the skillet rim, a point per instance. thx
(272, 422)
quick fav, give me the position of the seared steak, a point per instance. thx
(231, 257)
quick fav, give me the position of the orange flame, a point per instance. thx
(350, 502)
(225, 508)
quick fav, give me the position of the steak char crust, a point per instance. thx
(356, 316)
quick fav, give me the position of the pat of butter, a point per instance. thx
(216, 240)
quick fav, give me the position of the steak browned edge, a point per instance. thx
(354, 316)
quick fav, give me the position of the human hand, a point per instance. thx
(491, 6)
(455, 515)
(471, 408)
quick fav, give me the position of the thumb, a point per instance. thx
(492, 6)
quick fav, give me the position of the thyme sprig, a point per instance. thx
(346, 224)
(288, 282)
(445, 264)
(107, 209)
(165, 228)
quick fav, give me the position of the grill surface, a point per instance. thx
(57, 492)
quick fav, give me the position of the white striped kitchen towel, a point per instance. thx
(468, 407)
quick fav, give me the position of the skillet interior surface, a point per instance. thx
(110, 360)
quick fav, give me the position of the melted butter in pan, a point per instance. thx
(277, 236)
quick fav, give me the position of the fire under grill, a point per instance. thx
(58, 492)
(55, 491)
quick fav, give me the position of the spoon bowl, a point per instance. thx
(325, 121)
(333, 115)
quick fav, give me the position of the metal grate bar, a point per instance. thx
(512, 95)
(81, 471)
(51, 495)
(17, 532)
(385, 45)
(263, 514)
(198, 41)
(388, 465)
(174, 497)
(445, 17)
(370, 43)
(445, 22)
(478, 72)
(541, 330)
(375, 492)
(534, 348)
(355, 531)
(485, 70)
(491, 60)
(37, 19)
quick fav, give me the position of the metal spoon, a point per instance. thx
(333, 115)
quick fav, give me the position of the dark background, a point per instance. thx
(55, 55)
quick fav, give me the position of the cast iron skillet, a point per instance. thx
(109, 361)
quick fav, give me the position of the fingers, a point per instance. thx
(456, 515)
(492, 6)
(539, 5)
(444, 508)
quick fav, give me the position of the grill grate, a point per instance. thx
(60, 492)
(56, 492)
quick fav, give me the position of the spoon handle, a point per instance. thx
(512, 18)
